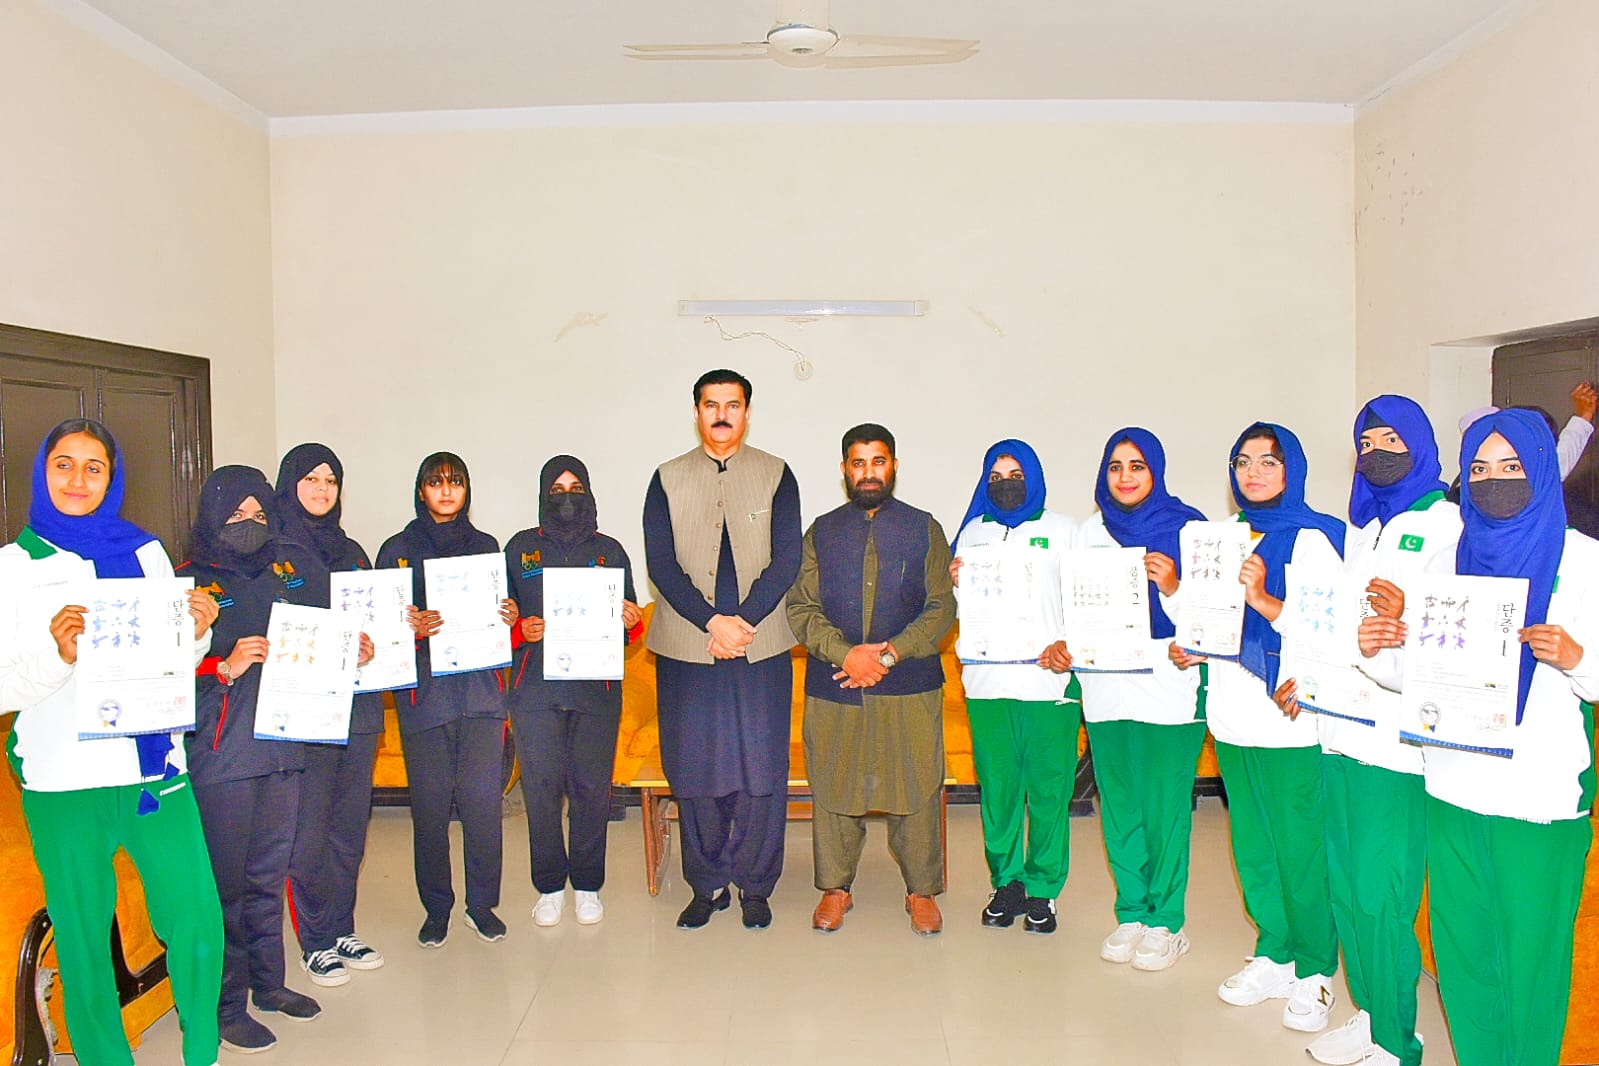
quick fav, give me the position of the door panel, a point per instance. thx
(146, 415)
(1542, 374)
(35, 395)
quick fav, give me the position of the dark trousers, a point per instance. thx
(566, 754)
(335, 807)
(249, 831)
(734, 838)
(458, 763)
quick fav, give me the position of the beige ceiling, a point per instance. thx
(333, 57)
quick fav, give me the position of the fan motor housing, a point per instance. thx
(798, 39)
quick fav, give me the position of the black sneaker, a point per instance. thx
(1040, 915)
(325, 968)
(757, 912)
(287, 1002)
(700, 909)
(245, 1036)
(485, 923)
(356, 955)
(434, 932)
(1004, 904)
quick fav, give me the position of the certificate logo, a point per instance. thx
(110, 711)
(1430, 715)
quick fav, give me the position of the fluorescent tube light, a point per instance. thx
(803, 308)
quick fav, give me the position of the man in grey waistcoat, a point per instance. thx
(722, 544)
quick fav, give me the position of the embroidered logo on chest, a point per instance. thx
(216, 593)
(285, 570)
(1038, 542)
(1411, 543)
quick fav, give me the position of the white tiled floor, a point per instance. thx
(635, 989)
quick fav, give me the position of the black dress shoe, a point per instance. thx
(700, 909)
(757, 913)
(1004, 904)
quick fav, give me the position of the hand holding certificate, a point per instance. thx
(1210, 617)
(1323, 609)
(377, 599)
(583, 623)
(308, 678)
(466, 591)
(135, 671)
(999, 606)
(1107, 611)
(1463, 661)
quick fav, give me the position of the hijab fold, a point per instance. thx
(1154, 523)
(1528, 544)
(585, 522)
(1032, 470)
(323, 534)
(1406, 418)
(220, 496)
(104, 537)
(1279, 524)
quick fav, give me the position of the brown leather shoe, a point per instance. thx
(829, 913)
(925, 917)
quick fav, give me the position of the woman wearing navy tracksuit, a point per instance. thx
(336, 791)
(248, 790)
(453, 727)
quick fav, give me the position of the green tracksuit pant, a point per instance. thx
(1279, 836)
(1026, 757)
(1145, 775)
(1503, 897)
(1376, 866)
(75, 834)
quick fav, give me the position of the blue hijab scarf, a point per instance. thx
(111, 543)
(1279, 523)
(1406, 418)
(1528, 544)
(1032, 470)
(1154, 523)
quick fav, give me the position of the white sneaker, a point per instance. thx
(1257, 982)
(1345, 1045)
(1309, 1004)
(1118, 947)
(1159, 948)
(589, 909)
(547, 911)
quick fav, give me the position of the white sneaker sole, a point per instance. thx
(237, 1050)
(1307, 1023)
(590, 919)
(1156, 963)
(545, 921)
(327, 980)
(362, 964)
(481, 935)
(1239, 997)
(1110, 954)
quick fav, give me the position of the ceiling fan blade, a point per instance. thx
(863, 62)
(714, 50)
(862, 44)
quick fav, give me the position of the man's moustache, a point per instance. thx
(721, 425)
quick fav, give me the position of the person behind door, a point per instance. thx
(452, 726)
(336, 791)
(871, 605)
(1144, 730)
(85, 798)
(722, 544)
(1024, 716)
(565, 731)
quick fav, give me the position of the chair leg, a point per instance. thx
(32, 1033)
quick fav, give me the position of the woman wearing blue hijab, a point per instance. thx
(1144, 728)
(1375, 803)
(1024, 715)
(1271, 764)
(1507, 839)
(85, 798)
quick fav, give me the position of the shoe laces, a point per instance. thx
(327, 957)
(353, 944)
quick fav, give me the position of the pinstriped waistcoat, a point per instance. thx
(700, 498)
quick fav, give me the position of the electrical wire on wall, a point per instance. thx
(803, 368)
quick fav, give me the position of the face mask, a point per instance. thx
(1382, 468)
(1007, 494)
(1501, 497)
(244, 538)
(566, 506)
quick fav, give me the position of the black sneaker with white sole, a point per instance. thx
(1040, 915)
(355, 954)
(245, 1036)
(485, 923)
(1004, 904)
(287, 1002)
(324, 968)
(434, 932)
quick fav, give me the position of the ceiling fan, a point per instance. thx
(803, 36)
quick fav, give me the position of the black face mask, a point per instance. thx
(566, 505)
(244, 538)
(1007, 494)
(1501, 497)
(1382, 468)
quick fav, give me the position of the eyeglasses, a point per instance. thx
(1267, 463)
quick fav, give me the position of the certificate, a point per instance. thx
(377, 599)
(1323, 608)
(466, 590)
(1000, 605)
(583, 623)
(1462, 661)
(1210, 614)
(1107, 611)
(308, 678)
(135, 671)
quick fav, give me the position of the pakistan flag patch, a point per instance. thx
(1411, 543)
(1038, 542)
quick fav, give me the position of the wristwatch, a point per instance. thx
(887, 660)
(225, 673)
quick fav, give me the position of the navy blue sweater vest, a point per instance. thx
(900, 534)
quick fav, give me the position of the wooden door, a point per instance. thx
(1543, 373)
(157, 405)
